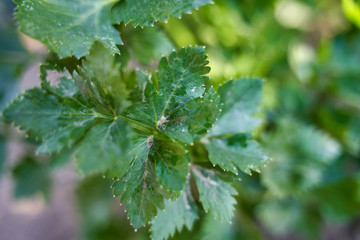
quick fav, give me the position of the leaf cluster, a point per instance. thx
(140, 129)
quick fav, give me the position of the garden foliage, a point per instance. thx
(124, 96)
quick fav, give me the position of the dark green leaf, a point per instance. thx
(146, 13)
(139, 187)
(68, 27)
(30, 178)
(59, 122)
(178, 81)
(172, 163)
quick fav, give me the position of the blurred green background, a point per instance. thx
(308, 52)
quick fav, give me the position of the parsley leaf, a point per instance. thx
(68, 27)
(146, 13)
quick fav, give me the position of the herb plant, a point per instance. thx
(139, 128)
(129, 92)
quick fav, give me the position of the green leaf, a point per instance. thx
(176, 215)
(59, 122)
(146, 45)
(61, 116)
(351, 9)
(30, 178)
(339, 201)
(93, 202)
(105, 79)
(111, 140)
(289, 215)
(214, 229)
(301, 155)
(153, 163)
(142, 147)
(215, 194)
(178, 81)
(13, 58)
(172, 162)
(62, 158)
(146, 13)
(231, 156)
(158, 161)
(240, 100)
(54, 62)
(139, 188)
(192, 121)
(68, 27)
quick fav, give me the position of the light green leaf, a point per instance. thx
(215, 194)
(301, 155)
(111, 141)
(351, 9)
(245, 155)
(214, 229)
(176, 215)
(68, 27)
(240, 99)
(287, 215)
(146, 13)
